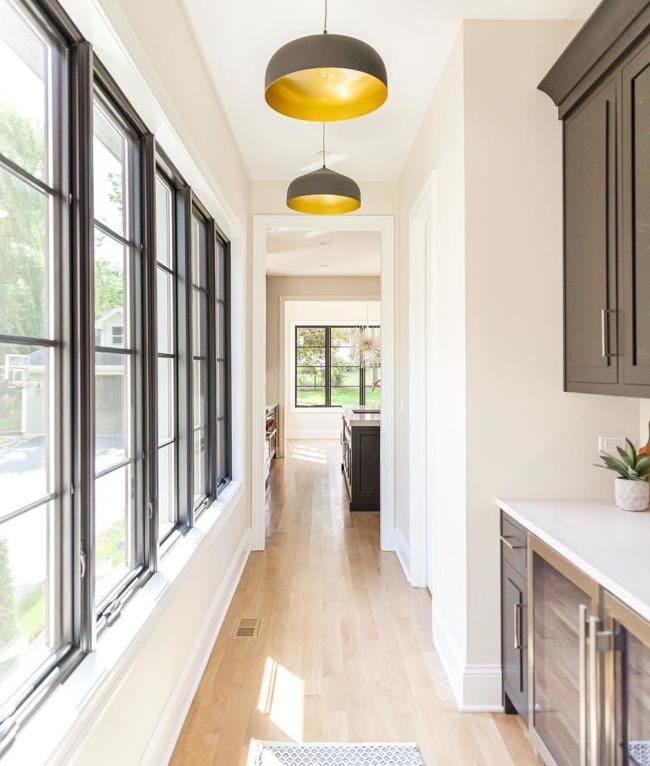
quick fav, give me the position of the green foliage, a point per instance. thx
(7, 608)
(629, 465)
(110, 544)
(109, 288)
(31, 613)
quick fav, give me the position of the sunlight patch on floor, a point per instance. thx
(282, 699)
(310, 454)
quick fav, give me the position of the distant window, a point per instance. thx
(328, 373)
(117, 335)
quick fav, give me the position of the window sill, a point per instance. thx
(63, 719)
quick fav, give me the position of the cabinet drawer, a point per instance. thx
(513, 544)
(514, 652)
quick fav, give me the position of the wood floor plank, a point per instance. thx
(344, 651)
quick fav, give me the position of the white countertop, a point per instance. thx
(355, 416)
(610, 545)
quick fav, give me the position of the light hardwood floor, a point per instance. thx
(344, 651)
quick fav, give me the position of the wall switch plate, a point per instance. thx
(610, 443)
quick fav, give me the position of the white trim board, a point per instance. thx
(385, 225)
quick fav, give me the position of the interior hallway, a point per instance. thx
(344, 649)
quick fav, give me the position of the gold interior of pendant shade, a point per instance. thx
(326, 94)
(323, 204)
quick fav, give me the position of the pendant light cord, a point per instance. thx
(325, 20)
(324, 155)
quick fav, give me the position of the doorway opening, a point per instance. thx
(316, 282)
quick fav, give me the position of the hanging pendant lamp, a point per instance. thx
(323, 191)
(325, 78)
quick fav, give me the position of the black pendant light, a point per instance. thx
(324, 191)
(326, 78)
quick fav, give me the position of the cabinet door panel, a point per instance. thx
(590, 240)
(513, 638)
(636, 218)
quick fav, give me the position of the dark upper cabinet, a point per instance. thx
(590, 241)
(635, 218)
(601, 85)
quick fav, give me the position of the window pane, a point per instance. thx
(112, 409)
(27, 593)
(113, 509)
(310, 357)
(345, 376)
(311, 376)
(199, 253)
(342, 336)
(25, 380)
(24, 62)
(221, 331)
(164, 219)
(310, 336)
(165, 312)
(343, 356)
(110, 171)
(220, 252)
(25, 262)
(110, 289)
(373, 396)
(165, 399)
(200, 322)
(221, 389)
(310, 397)
(166, 488)
(200, 386)
(344, 396)
(373, 385)
(200, 458)
(222, 448)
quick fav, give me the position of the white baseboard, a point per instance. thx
(476, 688)
(165, 735)
(403, 554)
(313, 433)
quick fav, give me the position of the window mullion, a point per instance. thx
(328, 366)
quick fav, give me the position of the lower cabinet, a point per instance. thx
(576, 660)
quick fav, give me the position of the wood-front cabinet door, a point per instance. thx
(590, 243)
(635, 197)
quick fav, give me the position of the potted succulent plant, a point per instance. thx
(631, 488)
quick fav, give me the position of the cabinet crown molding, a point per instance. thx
(602, 39)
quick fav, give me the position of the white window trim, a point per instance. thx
(63, 719)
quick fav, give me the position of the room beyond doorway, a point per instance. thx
(297, 227)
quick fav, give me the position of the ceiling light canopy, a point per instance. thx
(323, 191)
(325, 78)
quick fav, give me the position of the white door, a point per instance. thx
(429, 373)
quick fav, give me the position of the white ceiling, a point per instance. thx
(414, 37)
(323, 253)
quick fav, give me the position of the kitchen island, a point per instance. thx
(360, 440)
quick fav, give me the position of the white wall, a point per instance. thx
(439, 145)
(137, 712)
(322, 423)
(499, 326)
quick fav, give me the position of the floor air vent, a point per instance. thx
(247, 627)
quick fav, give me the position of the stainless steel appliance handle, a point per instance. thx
(582, 681)
(516, 616)
(594, 728)
(506, 541)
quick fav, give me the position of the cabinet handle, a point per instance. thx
(582, 681)
(594, 733)
(506, 541)
(516, 616)
(604, 333)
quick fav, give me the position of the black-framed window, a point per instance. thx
(103, 321)
(119, 399)
(329, 372)
(37, 626)
(202, 337)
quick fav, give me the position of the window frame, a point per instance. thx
(327, 367)
(222, 481)
(80, 76)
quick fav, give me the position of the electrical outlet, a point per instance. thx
(610, 443)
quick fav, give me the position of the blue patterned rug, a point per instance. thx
(333, 754)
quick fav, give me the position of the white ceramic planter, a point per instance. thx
(632, 495)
